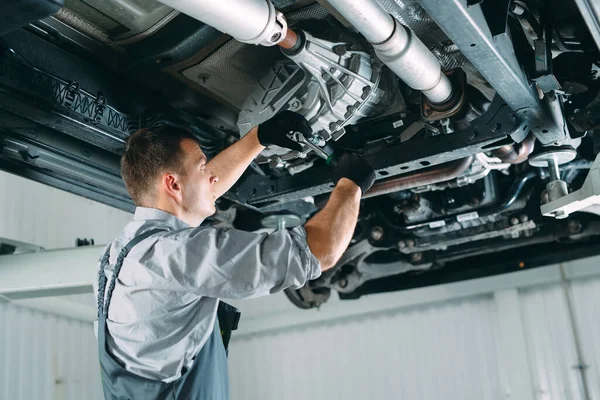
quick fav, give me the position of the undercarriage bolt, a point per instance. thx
(294, 104)
(514, 221)
(402, 244)
(524, 218)
(343, 283)
(377, 233)
(410, 243)
(416, 257)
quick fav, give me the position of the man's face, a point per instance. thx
(197, 184)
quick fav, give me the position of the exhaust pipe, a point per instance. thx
(249, 21)
(397, 47)
(442, 173)
(258, 22)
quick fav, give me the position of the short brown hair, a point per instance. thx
(148, 152)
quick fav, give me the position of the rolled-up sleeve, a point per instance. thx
(233, 264)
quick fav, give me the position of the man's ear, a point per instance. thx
(171, 185)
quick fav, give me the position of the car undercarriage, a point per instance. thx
(474, 114)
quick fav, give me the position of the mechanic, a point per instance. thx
(160, 280)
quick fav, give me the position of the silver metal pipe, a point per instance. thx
(397, 47)
(553, 169)
(407, 57)
(368, 17)
(249, 21)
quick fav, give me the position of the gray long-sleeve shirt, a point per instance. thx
(164, 304)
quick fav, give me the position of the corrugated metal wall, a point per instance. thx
(458, 349)
(586, 302)
(45, 357)
(551, 345)
(445, 351)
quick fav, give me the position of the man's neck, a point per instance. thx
(171, 209)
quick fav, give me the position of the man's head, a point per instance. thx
(165, 168)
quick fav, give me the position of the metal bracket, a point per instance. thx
(494, 57)
(587, 196)
(99, 107)
(70, 94)
(586, 120)
(395, 159)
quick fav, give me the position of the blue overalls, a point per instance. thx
(207, 379)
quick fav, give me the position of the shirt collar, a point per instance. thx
(154, 214)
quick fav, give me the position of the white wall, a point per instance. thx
(443, 351)
(46, 357)
(586, 303)
(504, 337)
(38, 214)
(551, 347)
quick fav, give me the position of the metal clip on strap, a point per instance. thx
(103, 309)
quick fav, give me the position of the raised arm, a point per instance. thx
(329, 232)
(230, 164)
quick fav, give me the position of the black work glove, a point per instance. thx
(356, 169)
(275, 130)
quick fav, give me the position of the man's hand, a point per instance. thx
(231, 163)
(275, 130)
(356, 169)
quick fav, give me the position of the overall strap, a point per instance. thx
(102, 280)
